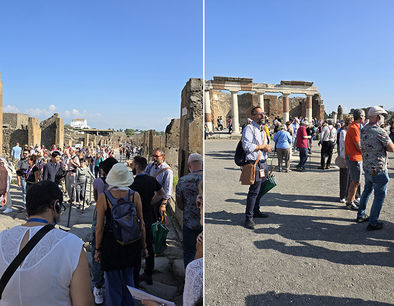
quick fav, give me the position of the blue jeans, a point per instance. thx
(189, 244)
(116, 292)
(23, 184)
(303, 157)
(378, 184)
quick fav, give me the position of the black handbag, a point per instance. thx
(22, 255)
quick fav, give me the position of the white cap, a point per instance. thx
(194, 157)
(119, 176)
(376, 110)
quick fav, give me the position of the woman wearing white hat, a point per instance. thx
(117, 260)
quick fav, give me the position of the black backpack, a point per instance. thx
(240, 155)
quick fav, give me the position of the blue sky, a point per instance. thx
(118, 63)
(345, 47)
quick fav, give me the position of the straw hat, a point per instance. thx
(119, 176)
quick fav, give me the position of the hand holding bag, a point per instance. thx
(248, 174)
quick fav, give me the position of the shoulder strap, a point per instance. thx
(162, 170)
(258, 158)
(22, 255)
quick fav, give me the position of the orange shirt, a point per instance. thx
(352, 136)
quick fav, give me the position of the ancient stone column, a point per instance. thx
(340, 113)
(208, 115)
(59, 138)
(261, 101)
(235, 115)
(1, 117)
(334, 116)
(34, 132)
(309, 108)
(286, 107)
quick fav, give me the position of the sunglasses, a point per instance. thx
(156, 155)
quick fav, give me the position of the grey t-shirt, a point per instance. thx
(374, 141)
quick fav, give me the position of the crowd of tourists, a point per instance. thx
(362, 142)
(130, 197)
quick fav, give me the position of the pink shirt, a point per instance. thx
(301, 142)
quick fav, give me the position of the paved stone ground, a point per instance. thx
(308, 252)
(168, 277)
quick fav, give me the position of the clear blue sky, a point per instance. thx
(345, 47)
(117, 63)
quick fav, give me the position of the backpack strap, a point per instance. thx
(22, 255)
(162, 170)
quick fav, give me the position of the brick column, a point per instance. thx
(286, 107)
(34, 132)
(208, 114)
(235, 115)
(309, 108)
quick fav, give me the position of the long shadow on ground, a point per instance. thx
(278, 299)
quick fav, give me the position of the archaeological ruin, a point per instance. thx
(237, 106)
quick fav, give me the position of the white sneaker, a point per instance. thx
(8, 210)
(342, 201)
(98, 295)
(2, 208)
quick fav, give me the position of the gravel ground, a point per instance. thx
(308, 252)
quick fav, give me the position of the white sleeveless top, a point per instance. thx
(45, 275)
(193, 289)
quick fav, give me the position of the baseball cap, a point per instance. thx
(376, 110)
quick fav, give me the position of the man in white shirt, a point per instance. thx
(328, 139)
(255, 144)
(160, 170)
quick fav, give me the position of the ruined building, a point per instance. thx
(238, 106)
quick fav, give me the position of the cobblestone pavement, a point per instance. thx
(308, 252)
(168, 277)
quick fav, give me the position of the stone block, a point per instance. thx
(162, 264)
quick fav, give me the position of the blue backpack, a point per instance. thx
(126, 225)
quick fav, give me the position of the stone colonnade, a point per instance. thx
(234, 85)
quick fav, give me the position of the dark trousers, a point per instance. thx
(303, 157)
(189, 244)
(254, 196)
(150, 260)
(81, 190)
(327, 148)
(344, 182)
(116, 292)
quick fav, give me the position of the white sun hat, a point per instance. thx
(376, 110)
(119, 176)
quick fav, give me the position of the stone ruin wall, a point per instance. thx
(15, 129)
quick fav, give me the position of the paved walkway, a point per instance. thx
(168, 277)
(308, 252)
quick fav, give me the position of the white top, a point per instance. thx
(254, 135)
(193, 282)
(45, 275)
(329, 133)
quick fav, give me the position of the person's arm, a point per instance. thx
(45, 172)
(158, 195)
(36, 175)
(138, 205)
(100, 207)
(390, 147)
(80, 287)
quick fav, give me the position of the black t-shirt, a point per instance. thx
(146, 186)
(30, 177)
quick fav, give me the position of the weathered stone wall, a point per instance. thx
(172, 143)
(191, 123)
(49, 131)
(34, 132)
(220, 106)
(16, 120)
(1, 116)
(11, 137)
